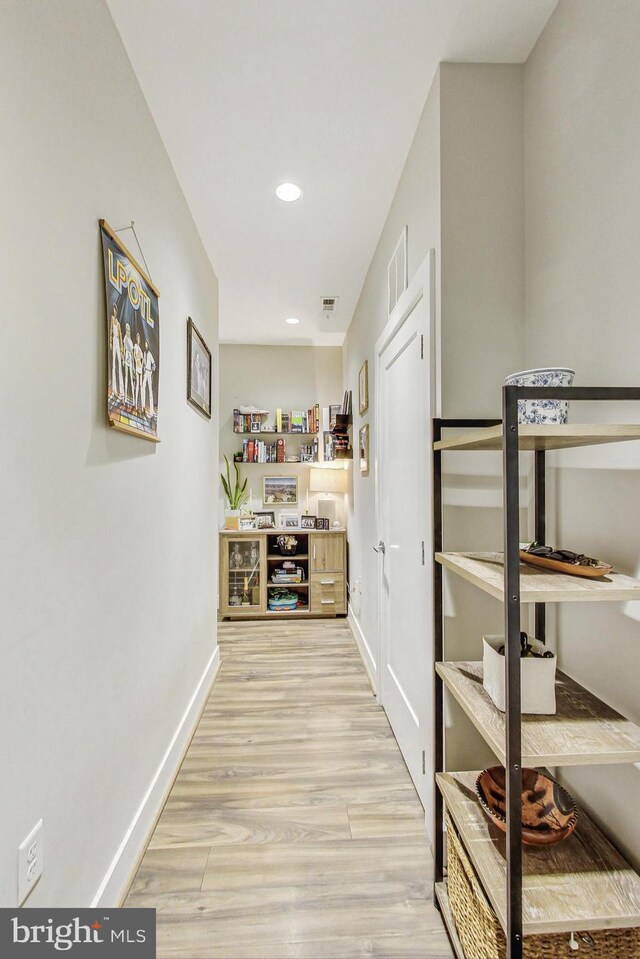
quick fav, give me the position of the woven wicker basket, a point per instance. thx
(481, 934)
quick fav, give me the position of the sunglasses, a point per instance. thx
(562, 555)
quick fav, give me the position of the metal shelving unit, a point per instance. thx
(588, 884)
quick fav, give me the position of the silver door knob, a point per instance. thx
(380, 548)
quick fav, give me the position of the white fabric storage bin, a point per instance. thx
(538, 678)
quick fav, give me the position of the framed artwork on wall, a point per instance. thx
(363, 388)
(280, 491)
(198, 370)
(364, 448)
(133, 340)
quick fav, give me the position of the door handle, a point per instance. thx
(380, 548)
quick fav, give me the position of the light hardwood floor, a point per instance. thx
(293, 828)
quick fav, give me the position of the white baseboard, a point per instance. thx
(116, 882)
(364, 650)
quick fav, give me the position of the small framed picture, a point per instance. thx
(322, 522)
(363, 388)
(307, 522)
(247, 522)
(198, 370)
(266, 520)
(289, 521)
(306, 458)
(280, 491)
(364, 448)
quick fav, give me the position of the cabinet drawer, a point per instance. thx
(327, 593)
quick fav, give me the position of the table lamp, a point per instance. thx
(328, 480)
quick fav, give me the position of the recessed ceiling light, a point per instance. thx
(292, 321)
(288, 192)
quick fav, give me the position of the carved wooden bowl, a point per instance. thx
(549, 813)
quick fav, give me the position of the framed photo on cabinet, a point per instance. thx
(363, 388)
(133, 340)
(198, 370)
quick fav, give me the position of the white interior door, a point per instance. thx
(404, 397)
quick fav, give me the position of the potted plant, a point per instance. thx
(235, 495)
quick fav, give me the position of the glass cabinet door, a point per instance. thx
(244, 583)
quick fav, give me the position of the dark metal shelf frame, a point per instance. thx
(512, 613)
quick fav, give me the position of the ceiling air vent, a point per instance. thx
(329, 307)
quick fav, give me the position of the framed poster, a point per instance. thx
(363, 388)
(133, 340)
(364, 448)
(198, 370)
(280, 491)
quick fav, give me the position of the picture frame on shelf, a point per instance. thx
(322, 522)
(265, 520)
(247, 523)
(289, 520)
(308, 522)
(363, 446)
(280, 490)
(198, 370)
(363, 388)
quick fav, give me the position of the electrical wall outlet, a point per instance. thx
(30, 862)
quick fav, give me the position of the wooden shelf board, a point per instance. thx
(584, 730)
(564, 436)
(580, 883)
(295, 556)
(442, 895)
(273, 585)
(486, 571)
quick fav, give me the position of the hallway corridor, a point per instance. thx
(293, 828)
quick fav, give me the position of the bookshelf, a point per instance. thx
(319, 434)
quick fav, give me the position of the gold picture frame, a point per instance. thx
(363, 388)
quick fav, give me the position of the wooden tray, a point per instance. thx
(591, 572)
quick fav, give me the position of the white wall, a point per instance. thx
(582, 153)
(461, 194)
(272, 377)
(109, 542)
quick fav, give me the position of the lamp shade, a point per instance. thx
(328, 480)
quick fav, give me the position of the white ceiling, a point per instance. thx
(325, 93)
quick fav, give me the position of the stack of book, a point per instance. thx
(287, 573)
(257, 451)
(298, 421)
(247, 422)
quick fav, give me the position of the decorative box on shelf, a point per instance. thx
(537, 672)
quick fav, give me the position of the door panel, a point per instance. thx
(406, 679)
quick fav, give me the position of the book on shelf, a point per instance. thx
(292, 421)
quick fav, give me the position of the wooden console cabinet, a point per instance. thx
(248, 563)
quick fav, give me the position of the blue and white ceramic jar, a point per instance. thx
(542, 412)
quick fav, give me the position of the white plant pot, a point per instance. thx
(538, 678)
(542, 412)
